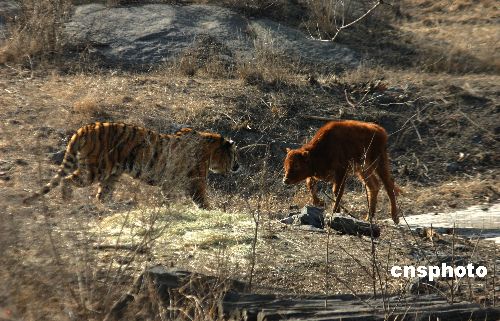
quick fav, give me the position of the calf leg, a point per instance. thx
(312, 186)
(338, 188)
(372, 186)
(197, 191)
(385, 176)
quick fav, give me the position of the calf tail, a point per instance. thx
(384, 172)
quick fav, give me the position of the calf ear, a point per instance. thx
(305, 154)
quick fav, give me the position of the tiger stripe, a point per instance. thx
(103, 151)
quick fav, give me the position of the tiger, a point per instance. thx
(101, 152)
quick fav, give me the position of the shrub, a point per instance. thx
(37, 31)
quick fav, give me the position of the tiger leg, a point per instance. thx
(106, 188)
(79, 178)
(66, 190)
(198, 192)
(67, 182)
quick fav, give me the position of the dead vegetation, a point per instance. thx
(437, 99)
(36, 32)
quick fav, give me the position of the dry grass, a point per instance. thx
(457, 37)
(252, 7)
(87, 105)
(449, 195)
(196, 299)
(37, 32)
(206, 57)
(74, 278)
(183, 229)
(326, 17)
(455, 49)
(54, 267)
(269, 66)
(83, 281)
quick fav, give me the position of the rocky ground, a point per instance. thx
(438, 100)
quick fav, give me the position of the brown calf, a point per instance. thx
(337, 148)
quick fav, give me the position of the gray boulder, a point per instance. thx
(153, 33)
(142, 36)
(8, 9)
(294, 43)
(309, 215)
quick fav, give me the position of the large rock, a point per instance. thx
(8, 9)
(294, 43)
(141, 36)
(150, 34)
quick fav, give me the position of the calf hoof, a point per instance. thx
(319, 203)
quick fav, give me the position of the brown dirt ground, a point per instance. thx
(444, 148)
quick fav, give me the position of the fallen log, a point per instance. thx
(190, 295)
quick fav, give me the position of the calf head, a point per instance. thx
(297, 166)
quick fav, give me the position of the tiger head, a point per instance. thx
(223, 157)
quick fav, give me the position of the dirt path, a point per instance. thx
(479, 220)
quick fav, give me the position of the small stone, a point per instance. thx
(127, 99)
(421, 285)
(461, 247)
(57, 157)
(123, 260)
(453, 167)
(310, 215)
(288, 220)
(477, 139)
(21, 162)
